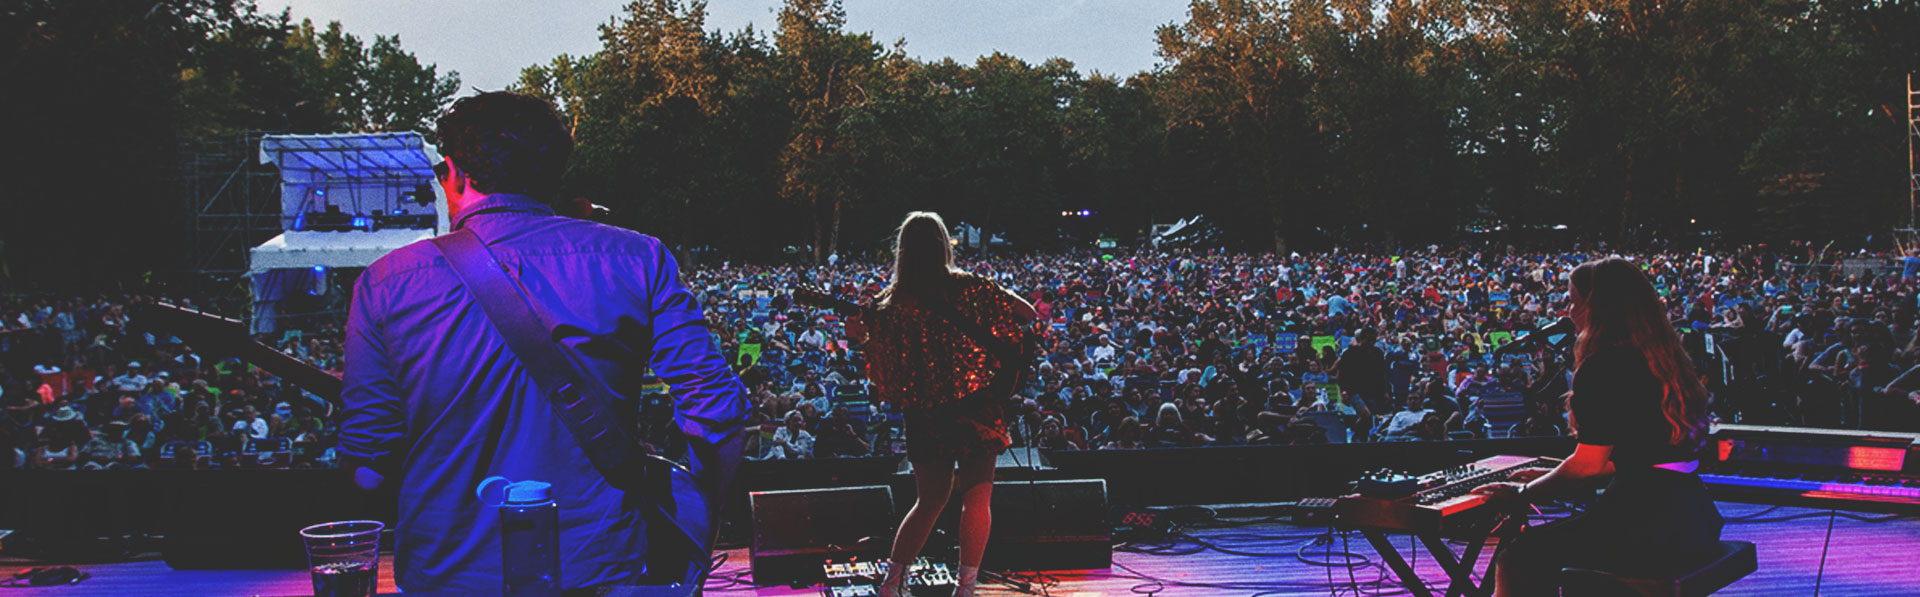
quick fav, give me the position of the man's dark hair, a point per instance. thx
(507, 143)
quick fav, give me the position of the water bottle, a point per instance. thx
(529, 535)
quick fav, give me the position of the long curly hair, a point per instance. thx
(1614, 304)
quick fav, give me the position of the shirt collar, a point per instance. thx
(502, 202)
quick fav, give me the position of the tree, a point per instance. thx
(92, 105)
(825, 70)
(1234, 94)
(1293, 124)
(264, 73)
(401, 93)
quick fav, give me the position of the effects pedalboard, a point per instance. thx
(861, 578)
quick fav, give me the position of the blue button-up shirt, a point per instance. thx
(434, 395)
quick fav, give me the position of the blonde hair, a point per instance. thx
(922, 257)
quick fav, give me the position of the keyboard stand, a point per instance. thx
(1459, 569)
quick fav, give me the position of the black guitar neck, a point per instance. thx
(218, 334)
(816, 298)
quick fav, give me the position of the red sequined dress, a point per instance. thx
(921, 362)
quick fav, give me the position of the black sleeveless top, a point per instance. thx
(1616, 402)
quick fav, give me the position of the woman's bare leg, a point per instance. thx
(975, 482)
(934, 482)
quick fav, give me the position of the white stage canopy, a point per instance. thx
(372, 180)
(356, 174)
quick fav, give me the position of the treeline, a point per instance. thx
(101, 97)
(1293, 124)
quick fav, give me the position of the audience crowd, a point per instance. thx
(1141, 349)
(84, 385)
(1164, 349)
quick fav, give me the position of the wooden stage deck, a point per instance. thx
(1865, 559)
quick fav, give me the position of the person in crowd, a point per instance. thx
(1127, 435)
(305, 427)
(57, 451)
(250, 425)
(792, 440)
(63, 413)
(1170, 429)
(840, 435)
(195, 423)
(1054, 436)
(111, 449)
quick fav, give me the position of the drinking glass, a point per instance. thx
(344, 557)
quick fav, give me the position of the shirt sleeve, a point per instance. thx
(710, 400)
(880, 369)
(373, 424)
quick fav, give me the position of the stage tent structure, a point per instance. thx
(345, 199)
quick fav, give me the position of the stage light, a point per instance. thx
(363, 223)
(319, 286)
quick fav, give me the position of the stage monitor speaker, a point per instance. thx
(1050, 525)
(796, 531)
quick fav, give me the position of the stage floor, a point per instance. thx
(1865, 559)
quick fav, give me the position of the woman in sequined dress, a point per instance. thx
(921, 361)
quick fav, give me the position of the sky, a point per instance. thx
(489, 41)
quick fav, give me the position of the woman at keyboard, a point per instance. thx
(1639, 413)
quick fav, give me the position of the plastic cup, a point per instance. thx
(344, 557)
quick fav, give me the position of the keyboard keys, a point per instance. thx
(1907, 489)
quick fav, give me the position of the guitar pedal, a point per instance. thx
(1386, 484)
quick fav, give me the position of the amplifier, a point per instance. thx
(1050, 525)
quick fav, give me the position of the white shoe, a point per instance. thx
(895, 583)
(969, 581)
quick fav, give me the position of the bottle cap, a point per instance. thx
(498, 491)
(530, 492)
(493, 491)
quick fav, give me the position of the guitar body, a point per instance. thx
(680, 532)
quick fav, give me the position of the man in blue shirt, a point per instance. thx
(435, 398)
(1336, 305)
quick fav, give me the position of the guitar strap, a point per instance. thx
(581, 400)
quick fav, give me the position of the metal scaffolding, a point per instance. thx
(235, 202)
(1913, 145)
